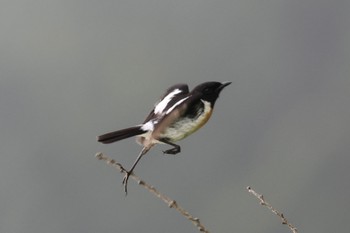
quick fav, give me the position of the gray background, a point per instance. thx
(71, 70)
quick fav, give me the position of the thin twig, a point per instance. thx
(273, 210)
(170, 202)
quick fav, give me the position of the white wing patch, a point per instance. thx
(176, 104)
(148, 126)
(159, 108)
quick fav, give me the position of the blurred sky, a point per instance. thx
(71, 70)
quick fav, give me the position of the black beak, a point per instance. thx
(222, 86)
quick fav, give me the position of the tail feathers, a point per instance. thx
(120, 134)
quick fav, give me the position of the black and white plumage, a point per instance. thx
(176, 115)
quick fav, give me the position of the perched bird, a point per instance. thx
(176, 115)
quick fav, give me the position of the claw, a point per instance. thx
(125, 181)
(172, 151)
(128, 173)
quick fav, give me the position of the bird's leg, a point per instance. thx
(176, 148)
(128, 173)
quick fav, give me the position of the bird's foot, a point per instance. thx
(173, 151)
(125, 181)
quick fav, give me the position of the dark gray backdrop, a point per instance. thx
(71, 70)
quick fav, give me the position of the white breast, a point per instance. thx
(187, 126)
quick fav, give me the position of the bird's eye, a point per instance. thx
(206, 90)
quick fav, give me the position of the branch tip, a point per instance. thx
(171, 203)
(260, 197)
(99, 155)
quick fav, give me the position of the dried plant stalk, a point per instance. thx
(167, 200)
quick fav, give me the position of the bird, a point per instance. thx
(177, 114)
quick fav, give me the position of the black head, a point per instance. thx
(210, 90)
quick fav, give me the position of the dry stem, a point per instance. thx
(170, 202)
(273, 210)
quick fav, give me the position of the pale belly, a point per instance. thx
(186, 126)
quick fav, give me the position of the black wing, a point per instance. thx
(172, 95)
(188, 105)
